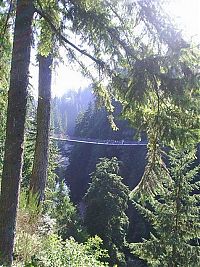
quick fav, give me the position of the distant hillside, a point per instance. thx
(95, 124)
(66, 109)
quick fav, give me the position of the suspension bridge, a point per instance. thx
(99, 142)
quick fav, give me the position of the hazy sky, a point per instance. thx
(187, 16)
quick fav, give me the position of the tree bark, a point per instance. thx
(16, 112)
(40, 164)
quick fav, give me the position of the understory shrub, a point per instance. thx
(38, 245)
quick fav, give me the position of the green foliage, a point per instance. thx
(172, 123)
(68, 222)
(106, 201)
(70, 253)
(5, 57)
(50, 250)
(29, 149)
(32, 225)
(150, 183)
(38, 245)
(157, 81)
(51, 177)
(57, 124)
(164, 92)
(65, 110)
(103, 99)
(47, 41)
(5, 44)
(3, 104)
(94, 123)
(174, 214)
(29, 144)
(147, 65)
(45, 46)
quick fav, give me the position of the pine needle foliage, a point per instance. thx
(68, 221)
(151, 182)
(5, 57)
(140, 59)
(106, 202)
(174, 214)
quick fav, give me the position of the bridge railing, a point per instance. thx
(98, 141)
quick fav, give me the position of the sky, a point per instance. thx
(186, 14)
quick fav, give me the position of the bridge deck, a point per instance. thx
(101, 142)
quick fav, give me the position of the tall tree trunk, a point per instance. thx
(17, 99)
(40, 164)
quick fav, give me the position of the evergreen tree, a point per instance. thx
(174, 214)
(69, 223)
(56, 123)
(41, 155)
(17, 99)
(94, 124)
(29, 144)
(45, 59)
(106, 202)
(164, 83)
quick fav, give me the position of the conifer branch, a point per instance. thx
(3, 32)
(65, 40)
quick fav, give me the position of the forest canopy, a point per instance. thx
(143, 72)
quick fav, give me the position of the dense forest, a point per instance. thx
(130, 197)
(66, 109)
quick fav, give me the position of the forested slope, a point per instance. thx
(94, 124)
(135, 55)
